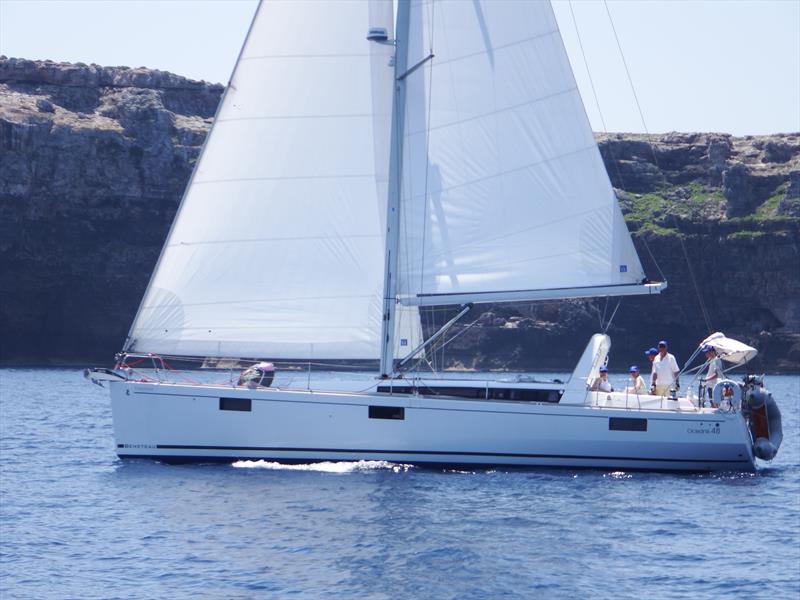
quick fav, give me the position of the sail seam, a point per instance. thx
(495, 48)
(260, 300)
(482, 242)
(278, 56)
(215, 328)
(509, 171)
(287, 178)
(288, 117)
(362, 236)
(499, 111)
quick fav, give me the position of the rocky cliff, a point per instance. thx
(94, 160)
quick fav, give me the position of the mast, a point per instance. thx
(395, 173)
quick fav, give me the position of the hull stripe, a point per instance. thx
(438, 453)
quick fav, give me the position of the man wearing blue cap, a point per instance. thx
(715, 373)
(665, 371)
(651, 355)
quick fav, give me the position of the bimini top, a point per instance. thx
(730, 350)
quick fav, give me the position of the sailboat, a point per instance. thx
(363, 165)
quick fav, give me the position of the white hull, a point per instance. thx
(185, 423)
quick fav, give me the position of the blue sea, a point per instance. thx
(77, 522)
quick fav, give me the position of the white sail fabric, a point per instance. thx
(503, 187)
(277, 250)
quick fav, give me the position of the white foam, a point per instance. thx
(325, 467)
(618, 475)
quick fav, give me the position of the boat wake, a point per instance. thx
(326, 467)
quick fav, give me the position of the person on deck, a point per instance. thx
(651, 355)
(665, 372)
(715, 373)
(637, 382)
(601, 383)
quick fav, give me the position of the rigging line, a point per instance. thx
(653, 258)
(694, 281)
(427, 151)
(614, 161)
(603, 316)
(439, 347)
(613, 314)
(655, 162)
(586, 65)
(627, 72)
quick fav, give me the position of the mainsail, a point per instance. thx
(277, 247)
(504, 192)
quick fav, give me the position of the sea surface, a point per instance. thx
(77, 522)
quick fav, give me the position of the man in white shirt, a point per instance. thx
(665, 371)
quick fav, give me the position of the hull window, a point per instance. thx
(387, 412)
(242, 404)
(478, 393)
(623, 424)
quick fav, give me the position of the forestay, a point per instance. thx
(504, 192)
(277, 250)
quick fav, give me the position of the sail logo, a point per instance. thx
(623, 268)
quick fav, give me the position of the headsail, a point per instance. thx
(277, 248)
(504, 192)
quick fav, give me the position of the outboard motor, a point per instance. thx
(258, 375)
(763, 418)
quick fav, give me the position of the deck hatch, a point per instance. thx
(240, 404)
(387, 412)
(627, 424)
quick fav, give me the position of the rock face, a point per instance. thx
(94, 160)
(717, 217)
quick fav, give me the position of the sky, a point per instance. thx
(730, 66)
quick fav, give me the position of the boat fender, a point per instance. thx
(766, 448)
(755, 398)
(727, 396)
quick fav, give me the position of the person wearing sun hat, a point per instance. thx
(601, 383)
(665, 371)
(637, 382)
